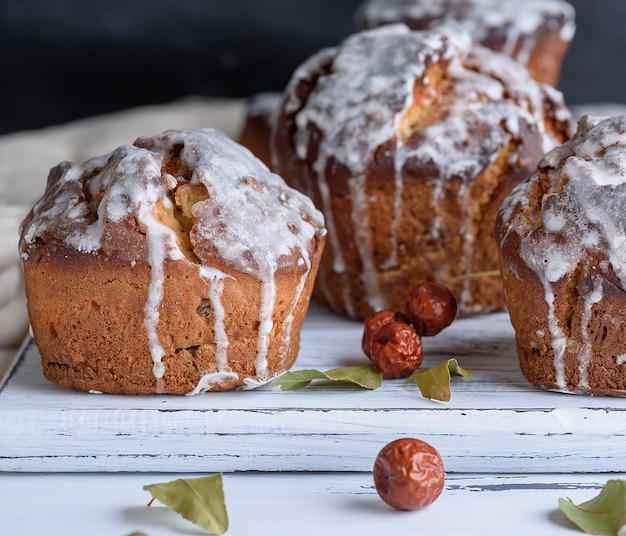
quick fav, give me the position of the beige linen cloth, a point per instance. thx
(26, 158)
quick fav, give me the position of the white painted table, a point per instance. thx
(291, 504)
(296, 463)
(76, 462)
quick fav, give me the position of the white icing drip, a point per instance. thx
(211, 380)
(359, 105)
(580, 216)
(525, 50)
(567, 31)
(585, 195)
(268, 297)
(156, 257)
(253, 383)
(585, 354)
(288, 322)
(363, 241)
(255, 242)
(161, 245)
(510, 42)
(250, 220)
(480, 18)
(339, 264)
(559, 341)
(621, 359)
(392, 261)
(216, 288)
(436, 220)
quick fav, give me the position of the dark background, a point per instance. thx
(67, 59)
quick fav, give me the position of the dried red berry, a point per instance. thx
(376, 321)
(396, 350)
(408, 474)
(430, 307)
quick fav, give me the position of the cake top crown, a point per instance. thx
(446, 102)
(581, 186)
(193, 193)
(476, 16)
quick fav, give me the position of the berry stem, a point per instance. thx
(472, 275)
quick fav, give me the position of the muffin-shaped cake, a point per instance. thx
(256, 132)
(536, 33)
(408, 142)
(178, 264)
(563, 247)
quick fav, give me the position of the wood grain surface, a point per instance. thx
(495, 422)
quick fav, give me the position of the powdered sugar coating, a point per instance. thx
(251, 220)
(365, 91)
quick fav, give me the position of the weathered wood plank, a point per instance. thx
(290, 503)
(495, 421)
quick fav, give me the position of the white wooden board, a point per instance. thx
(286, 504)
(495, 422)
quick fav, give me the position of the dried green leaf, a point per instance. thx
(368, 376)
(297, 379)
(199, 500)
(604, 514)
(365, 376)
(434, 383)
(456, 370)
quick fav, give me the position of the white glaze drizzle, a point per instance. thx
(479, 18)
(223, 373)
(580, 213)
(251, 220)
(398, 206)
(289, 319)
(584, 357)
(360, 213)
(156, 258)
(559, 340)
(210, 380)
(268, 297)
(256, 242)
(343, 105)
(360, 103)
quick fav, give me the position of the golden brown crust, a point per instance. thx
(132, 292)
(561, 257)
(87, 320)
(536, 33)
(461, 205)
(529, 311)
